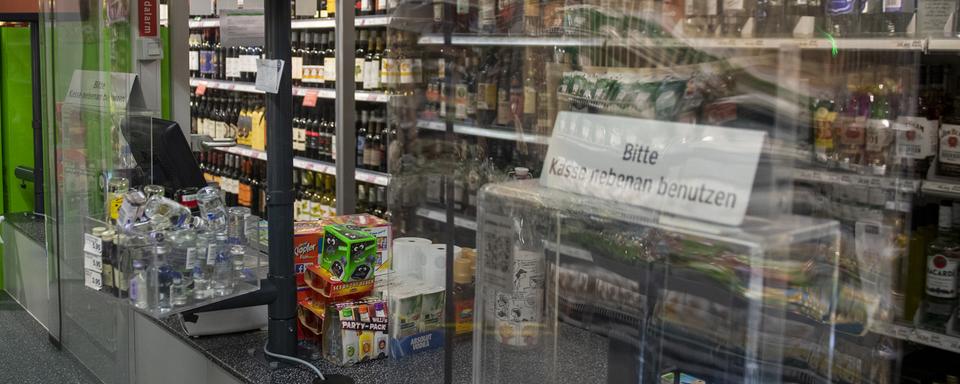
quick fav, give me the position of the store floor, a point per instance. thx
(27, 357)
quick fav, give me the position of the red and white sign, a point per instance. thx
(149, 18)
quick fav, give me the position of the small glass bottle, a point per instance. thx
(138, 286)
(131, 208)
(212, 207)
(178, 291)
(152, 190)
(116, 188)
(223, 271)
(236, 225)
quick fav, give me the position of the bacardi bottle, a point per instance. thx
(943, 257)
(842, 18)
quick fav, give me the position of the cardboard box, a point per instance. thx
(310, 322)
(327, 290)
(306, 247)
(348, 253)
(371, 224)
(356, 331)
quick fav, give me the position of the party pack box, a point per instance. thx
(356, 331)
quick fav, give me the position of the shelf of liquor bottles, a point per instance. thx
(319, 23)
(362, 175)
(918, 335)
(494, 133)
(853, 179)
(322, 93)
(889, 44)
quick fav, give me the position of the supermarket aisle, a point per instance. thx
(25, 354)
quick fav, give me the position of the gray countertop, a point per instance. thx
(581, 357)
(30, 224)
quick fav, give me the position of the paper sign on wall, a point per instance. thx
(696, 171)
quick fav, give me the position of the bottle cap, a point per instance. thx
(137, 264)
(98, 231)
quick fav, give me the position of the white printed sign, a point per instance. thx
(92, 244)
(697, 171)
(104, 89)
(92, 279)
(92, 262)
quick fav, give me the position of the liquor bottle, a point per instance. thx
(770, 18)
(879, 133)
(359, 58)
(231, 71)
(382, 203)
(897, 16)
(306, 206)
(842, 18)
(371, 63)
(299, 137)
(943, 257)
(368, 147)
(108, 262)
(316, 198)
(735, 15)
(438, 19)
(487, 22)
(852, 127)
(193, 55)
(361, 193)
(296, 58)
(871, 17)
(797, 9)
(312, 61)
(313, 134)
(387, 62)
(255, 188)
(372, 207)
(207, 56)
(221, 54)
(379, 147)
(405, 64)
(330, 61)
(470, 78)
(504, 116)
(362, 154)
(466, 14)
(509, 19)
(328, 127)
(298, 194)
(532, 81)
(487, 89)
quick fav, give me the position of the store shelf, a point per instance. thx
(441, 216)
(493, 133)
(378, 178)
(919, 336)
(941, 188)
(831, 177)
(323, 93)
(903, 44)
(366, 21)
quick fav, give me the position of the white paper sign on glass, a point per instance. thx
(696, 171)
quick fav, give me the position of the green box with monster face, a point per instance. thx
(349, 253)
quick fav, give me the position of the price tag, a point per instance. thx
(310, 99)
(92, 244)
(92, 262)
(201, 88)
(92, 279)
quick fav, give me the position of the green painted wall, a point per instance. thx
(16, 117)
(165, 74)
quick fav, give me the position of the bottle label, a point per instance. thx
(358, 67)
(733, 5)
(463, 7)
(191, 258)
(460, 101)
(386, 69)
(365, 6)
(331, 7)
(406, 71)
(529, 100)
(194, 60)
(211, 254)
(488, 15)
(233, 67)
(486, 96)
(313, 74)
(913, 137)
(248, 63)
(879, 135)
(892, 5)
(689, 9)
(950, 148)
(329, 69)
(296, 67)
(942, 276)
(712, 8)
(823, 128)
(373, 75)
(839, 7)
(208, 63)
(244, 195)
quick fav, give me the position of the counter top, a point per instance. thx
(581, 357)
(30, 224)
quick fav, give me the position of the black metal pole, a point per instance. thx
(282, 333)
(37, 119)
